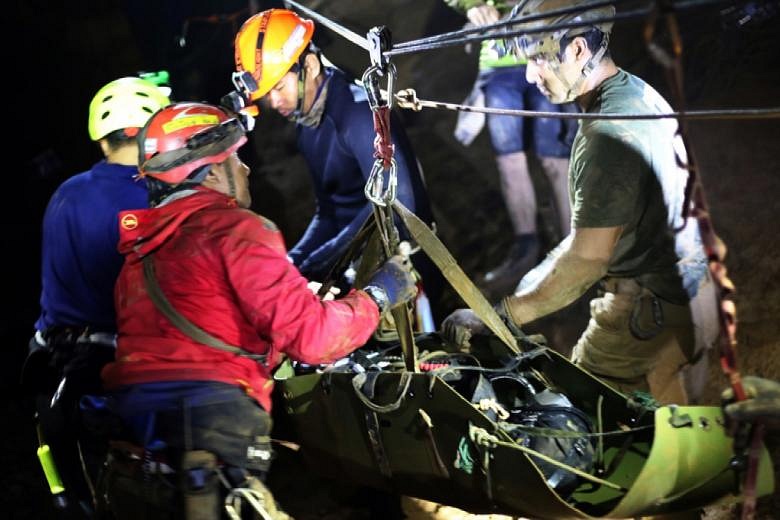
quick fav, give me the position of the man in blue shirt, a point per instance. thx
(75, 332)
(335, 136)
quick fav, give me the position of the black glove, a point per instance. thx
(392, 284)
(763, 400)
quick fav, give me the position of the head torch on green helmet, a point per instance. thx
(548, 43)
(125, 103)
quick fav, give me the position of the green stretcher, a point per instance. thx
(419, 437)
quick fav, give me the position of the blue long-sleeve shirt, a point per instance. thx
(80, 234)
(339, 152)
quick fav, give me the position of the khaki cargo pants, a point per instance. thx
(636, 341)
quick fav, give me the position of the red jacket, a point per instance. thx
(226, 270)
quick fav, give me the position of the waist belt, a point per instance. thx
(59, 335)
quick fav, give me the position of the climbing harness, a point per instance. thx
(183, 324)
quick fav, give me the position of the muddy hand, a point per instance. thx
(763, 400)
(460, 326)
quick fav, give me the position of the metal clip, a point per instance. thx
(678, 420)
(374, 92)
(375, 184)
(379, 41)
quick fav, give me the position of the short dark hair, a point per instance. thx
(118, 138)
(593, 38)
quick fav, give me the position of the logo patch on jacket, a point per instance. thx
(129, 221)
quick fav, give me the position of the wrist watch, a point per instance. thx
(378, 295)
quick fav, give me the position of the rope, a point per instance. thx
(253, 497)
(488, 32)
(463, 459)
(407, 98)
(481, 437)
(403, 387)
(486, 405)
(383, 143)
(695, 205)
(536, 431)
(638, 13)
(506, 23)
(349, 35)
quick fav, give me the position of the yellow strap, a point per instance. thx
(450, 269)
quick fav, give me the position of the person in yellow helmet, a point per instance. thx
(657, 310)
(80, 263)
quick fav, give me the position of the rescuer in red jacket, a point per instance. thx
(223, 278)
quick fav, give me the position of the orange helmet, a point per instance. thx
(267, 46)
(183, 137)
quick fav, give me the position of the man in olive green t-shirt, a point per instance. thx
(626, 190)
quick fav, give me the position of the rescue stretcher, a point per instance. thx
(417, 435)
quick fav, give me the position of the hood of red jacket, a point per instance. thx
(142, 231)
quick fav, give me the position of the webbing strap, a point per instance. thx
(450, 269)
(182, 323)
(695, 204)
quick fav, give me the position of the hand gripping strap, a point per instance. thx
(455, 276)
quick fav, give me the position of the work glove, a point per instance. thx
(463, 324)
(763, 400)
(459, 327)
(392, 284)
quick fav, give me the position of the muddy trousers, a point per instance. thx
(637, 342)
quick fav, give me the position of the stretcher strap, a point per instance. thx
(450, 269)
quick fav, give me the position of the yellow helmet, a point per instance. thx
(267, 46)
(125, 103)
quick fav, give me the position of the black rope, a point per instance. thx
(506, 23)
(637, 13)
(457, 37)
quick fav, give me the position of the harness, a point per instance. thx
(183, 324)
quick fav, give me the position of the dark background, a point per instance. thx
(61, 53)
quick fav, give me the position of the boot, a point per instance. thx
(522, 257)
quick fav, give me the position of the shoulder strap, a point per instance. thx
(182, 323)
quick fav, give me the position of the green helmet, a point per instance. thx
(124, 103)
(548, 43)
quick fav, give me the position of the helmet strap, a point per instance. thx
(298, 112)
(231, 179)
(590, 65)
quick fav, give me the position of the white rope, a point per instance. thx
(407, 98)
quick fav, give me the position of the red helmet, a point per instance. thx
(182, 137)
(267, 46)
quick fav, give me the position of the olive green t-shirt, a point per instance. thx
(626, 173)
